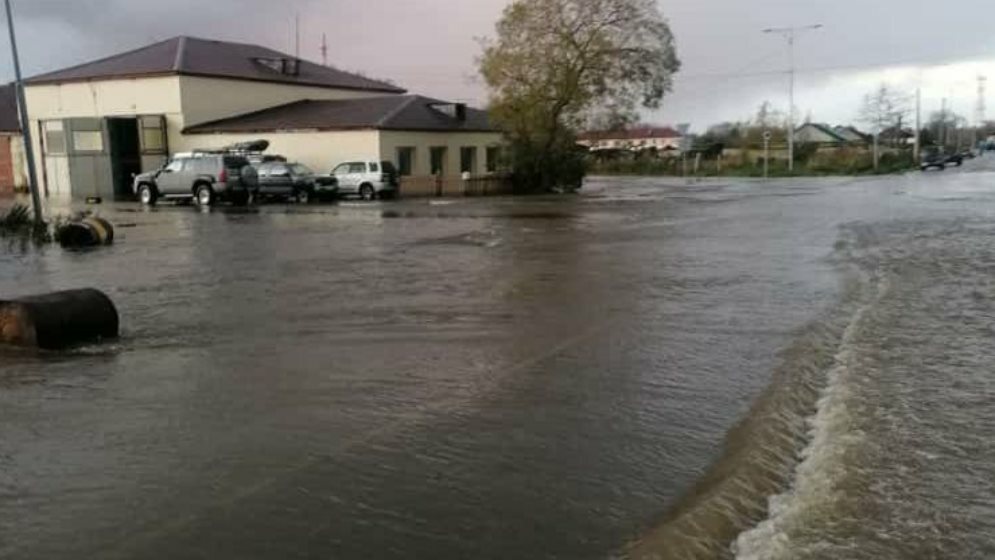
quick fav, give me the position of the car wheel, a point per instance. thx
(303, 196)
(147, 195)
(204, 195)
(366, 192)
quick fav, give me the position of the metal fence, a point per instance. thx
(489, 185)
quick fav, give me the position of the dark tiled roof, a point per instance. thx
(394, 112)
(9, 121)
(636, 133)
(202, 57)
(825, 129)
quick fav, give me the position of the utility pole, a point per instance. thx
(324, 50)
(790, 33)
(29, 153)
(917, 150)
(982, 107)
(943, 125)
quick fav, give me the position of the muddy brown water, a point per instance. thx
(649, 369)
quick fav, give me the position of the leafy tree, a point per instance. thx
(558, 65)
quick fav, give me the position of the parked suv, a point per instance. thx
(367, 179)
(293, 181)
(205, 177)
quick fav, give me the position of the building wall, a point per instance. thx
(105, 98)
(318, 150)
(6, 165)
(208, 99)
(390, 141)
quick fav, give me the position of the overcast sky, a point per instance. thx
(429, 46)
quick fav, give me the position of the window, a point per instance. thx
(374, 168)
(405, 161)
(438, 160)
(174, 166)
(357, 168)
(341, 169)
(88, 141)
(279, 170)
(468, 159)
(301, 169)
(55, 137)
(264, 170)
(493, 156)
(153, 135)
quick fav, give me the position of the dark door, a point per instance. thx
(126, 158)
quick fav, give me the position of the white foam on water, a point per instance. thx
(822, 461)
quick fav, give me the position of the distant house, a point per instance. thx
(824, 135)
(851, 135)
(896, 136)
(12, 166)
(636, 139)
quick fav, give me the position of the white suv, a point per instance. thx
(367, 179)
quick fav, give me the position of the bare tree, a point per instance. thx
(882, 110)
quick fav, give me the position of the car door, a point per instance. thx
(357, 174)
(170, 178)
(279, 176)
(263, 171)
(341, 174)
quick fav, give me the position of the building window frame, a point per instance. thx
(437, 160)
(55, 137)
(468, 159)
(406, 160)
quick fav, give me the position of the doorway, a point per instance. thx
(126, 156)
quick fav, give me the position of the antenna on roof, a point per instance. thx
(324, 51)
(297, 35)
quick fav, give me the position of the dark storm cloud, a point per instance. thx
(429, 46)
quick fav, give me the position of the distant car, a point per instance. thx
(295, 181)
(367, 179)
(205, 177)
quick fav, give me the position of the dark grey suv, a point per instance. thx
(205, 177)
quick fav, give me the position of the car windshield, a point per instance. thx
(388, 167)
(300, 169)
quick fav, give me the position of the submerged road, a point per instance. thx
(515, 378)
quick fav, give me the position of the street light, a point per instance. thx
(29, 153)
(790, 33)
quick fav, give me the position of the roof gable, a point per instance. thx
(394, 112)
(814, 132)
(209, 58)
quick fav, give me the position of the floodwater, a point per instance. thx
(799, 369)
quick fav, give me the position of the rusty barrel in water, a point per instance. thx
(58, 320)
(88, 232)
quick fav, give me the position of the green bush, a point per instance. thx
(18, 222)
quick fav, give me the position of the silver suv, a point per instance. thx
(367, 179)
(203, 176)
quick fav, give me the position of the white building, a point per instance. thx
(634, 139)
(100, 122)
